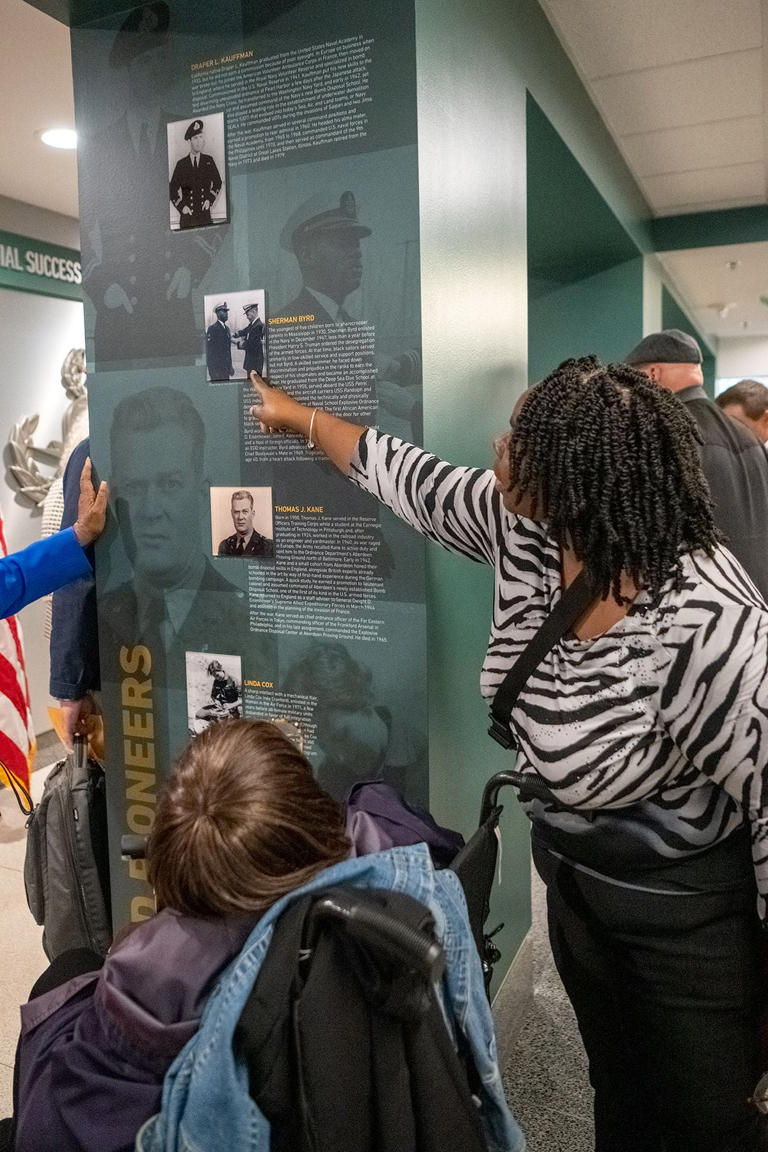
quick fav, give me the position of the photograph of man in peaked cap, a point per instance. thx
(140, 285)
(250, 339)
(196, 185)
(218, 344)
(324, 234)
(233, 347)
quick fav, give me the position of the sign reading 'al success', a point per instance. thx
(34, 266)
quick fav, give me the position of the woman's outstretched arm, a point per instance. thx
(278, 411)
(457, 507)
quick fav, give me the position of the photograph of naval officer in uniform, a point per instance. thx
(249, 512)
(235, 335)
(324, 235)
(140, 280)
(250, 339)
(175, 601)
(196, 186)
(218, 344)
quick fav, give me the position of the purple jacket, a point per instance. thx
(94, 1052)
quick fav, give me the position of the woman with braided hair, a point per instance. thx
(648, 722)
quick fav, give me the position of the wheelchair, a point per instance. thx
(474, 864)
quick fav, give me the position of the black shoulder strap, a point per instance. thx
(571, 605)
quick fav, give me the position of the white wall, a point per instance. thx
(36, 332)
(39, 223)
(653, 282)
(746, 356)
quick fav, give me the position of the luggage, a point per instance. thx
(66, 870)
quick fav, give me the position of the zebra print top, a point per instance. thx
(656, 730)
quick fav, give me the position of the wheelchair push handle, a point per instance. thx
(133, 847)
(400, 942)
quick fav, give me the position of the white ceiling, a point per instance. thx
(681, 85)
(36, 90)
(733, 277)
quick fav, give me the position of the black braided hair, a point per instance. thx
(611, 461)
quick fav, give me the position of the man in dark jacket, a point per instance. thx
(251, 340)
(733, 460)
(218, 346)
(75, 679)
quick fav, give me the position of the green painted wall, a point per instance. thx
(710, 229)
(585, 273)
(673, 316)
(601, 314)
(476, 64)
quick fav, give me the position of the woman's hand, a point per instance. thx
(277, 410)
(91, 508)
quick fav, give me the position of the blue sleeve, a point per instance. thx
(39, 569)
(74, 646)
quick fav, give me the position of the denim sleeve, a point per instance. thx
(471, 1012)
(74, 645)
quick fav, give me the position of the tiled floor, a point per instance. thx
(546, 1076)
(21, 956)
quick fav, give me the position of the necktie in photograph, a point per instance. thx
(155, 625)
(240, 546)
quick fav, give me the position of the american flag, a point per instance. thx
(17, 736)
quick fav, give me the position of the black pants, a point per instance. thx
(668, 994)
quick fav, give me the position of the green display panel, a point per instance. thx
(249, 199)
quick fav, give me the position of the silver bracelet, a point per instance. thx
(310, 441)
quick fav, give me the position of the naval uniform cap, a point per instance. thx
(668, 347)
(246, 307)
(320, 214)
(194, 129)
(221, 307)
(143, 29)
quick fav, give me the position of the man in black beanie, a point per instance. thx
(733, 460)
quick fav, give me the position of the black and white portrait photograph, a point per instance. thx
(235, 335)
(197, 186)
(241, 523)
(214, 689)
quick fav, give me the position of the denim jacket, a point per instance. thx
(206, 1105)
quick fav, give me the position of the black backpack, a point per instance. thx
(66, 870)
(343, 1036)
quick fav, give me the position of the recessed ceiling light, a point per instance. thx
(722, 309)
(60, 138)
